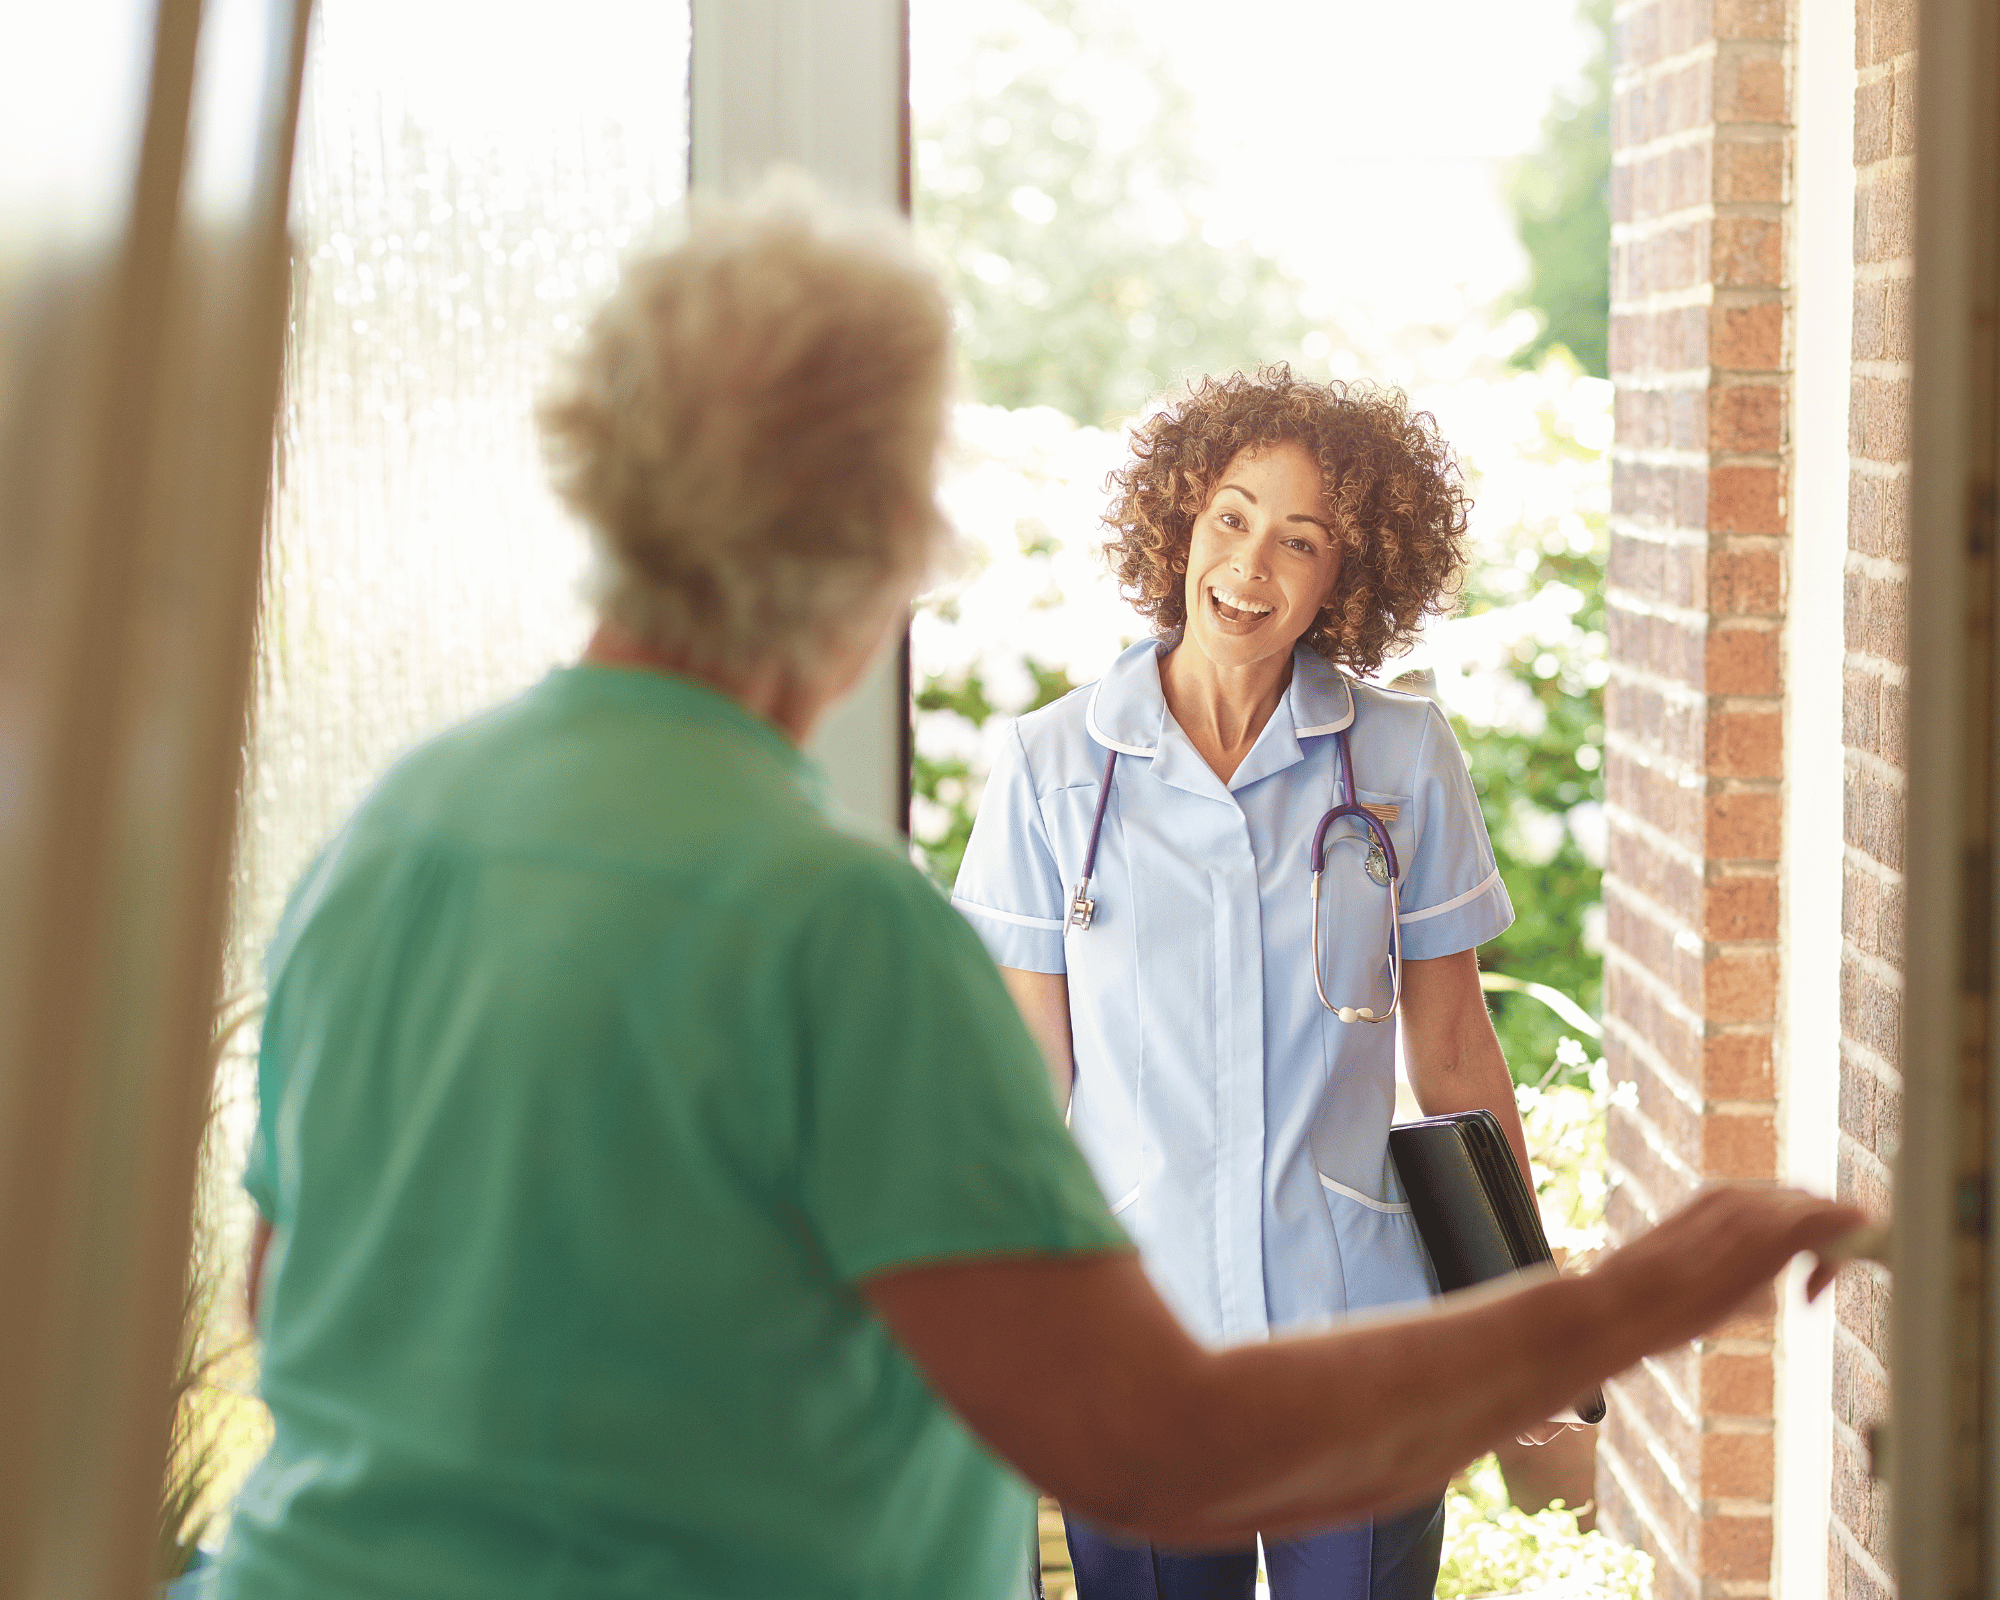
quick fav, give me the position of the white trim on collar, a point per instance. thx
(1338, 722)
(1105, 739)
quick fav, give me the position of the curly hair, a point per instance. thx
(1397, 496)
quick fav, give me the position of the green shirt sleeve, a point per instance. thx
(930, 1131)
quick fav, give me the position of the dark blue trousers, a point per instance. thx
(1391, 1558)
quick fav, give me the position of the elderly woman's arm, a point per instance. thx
(1072, 1369)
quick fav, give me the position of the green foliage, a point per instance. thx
(1566, 1124)
(1561, 196)
(1067, 222)
(1535, 769)
(1492, 1549)
(949, 782)
(1081, 272)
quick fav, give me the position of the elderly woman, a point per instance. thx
(662, 1195)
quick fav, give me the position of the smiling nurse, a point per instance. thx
(1141, 869)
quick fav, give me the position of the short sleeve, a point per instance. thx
(930, 1130)
(1452, 898)
(1009, 887)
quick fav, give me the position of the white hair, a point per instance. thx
(750, 428)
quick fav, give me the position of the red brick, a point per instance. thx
(1736, 1549)
(1740, 986)
(1870, 309)
(1746, 418)
(1741, 1145)
(1896, 310)
(1860, 910)
(1737, 1066)
(1750, 86)
(1749, 252)
(1746, 583)
(1745, 744)
(1743, 499)
(1860, 709)
(1742, 827)
(1743, 661)
(1737, 1466)
(1747, 170)
(1884, 219)
(1884, 29)
(1874, 121)
(1906, 109)
(1885, 418)
(1739, 907)
(1747, 338)
(1734, 1385)
(1750, 19)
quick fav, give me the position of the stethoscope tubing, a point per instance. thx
(1082, 908)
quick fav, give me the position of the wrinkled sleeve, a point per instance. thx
(1452, 895)
(1009, 887)
(930, 1131)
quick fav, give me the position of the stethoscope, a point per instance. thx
(1380, 865)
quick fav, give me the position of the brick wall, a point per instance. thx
(1873, 707)
(1702, 154)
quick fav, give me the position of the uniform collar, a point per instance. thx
(1127, 712)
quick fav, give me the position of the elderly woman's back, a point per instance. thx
(601, 1063)
(598, 1064)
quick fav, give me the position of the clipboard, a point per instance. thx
(1472, 1206)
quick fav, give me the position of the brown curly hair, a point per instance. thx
(1397, 495)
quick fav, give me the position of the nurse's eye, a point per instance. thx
(1229, 519)
(1303, 546)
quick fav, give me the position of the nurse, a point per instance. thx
(1283, 538)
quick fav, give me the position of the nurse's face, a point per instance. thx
(1262, 560)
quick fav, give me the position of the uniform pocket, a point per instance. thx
(1381, 1254)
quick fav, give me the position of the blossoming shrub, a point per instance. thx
(1492, 1549)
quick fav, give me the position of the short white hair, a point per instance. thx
(750, 428)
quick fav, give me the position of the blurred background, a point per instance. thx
(1125, 195)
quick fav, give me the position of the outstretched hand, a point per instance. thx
(1703, 1262)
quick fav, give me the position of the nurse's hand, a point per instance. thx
(1546, 1433)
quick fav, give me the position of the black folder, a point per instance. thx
(1472, 1206)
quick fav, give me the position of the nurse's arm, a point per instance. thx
(1449, 1048)
(1042, 998)
(1071, 1369)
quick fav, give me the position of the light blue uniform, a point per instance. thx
(1238, 1129)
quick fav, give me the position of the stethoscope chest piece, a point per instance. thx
(1377, 867)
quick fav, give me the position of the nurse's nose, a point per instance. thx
(1252, 558)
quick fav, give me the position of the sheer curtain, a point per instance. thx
(469, 177)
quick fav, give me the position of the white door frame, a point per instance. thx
(821, 85)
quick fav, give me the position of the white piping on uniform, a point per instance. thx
(1336, 725)
(1109, 743)
(1455, 902)
(1008, 916)
(1122, 1204)
(1391, 1207)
